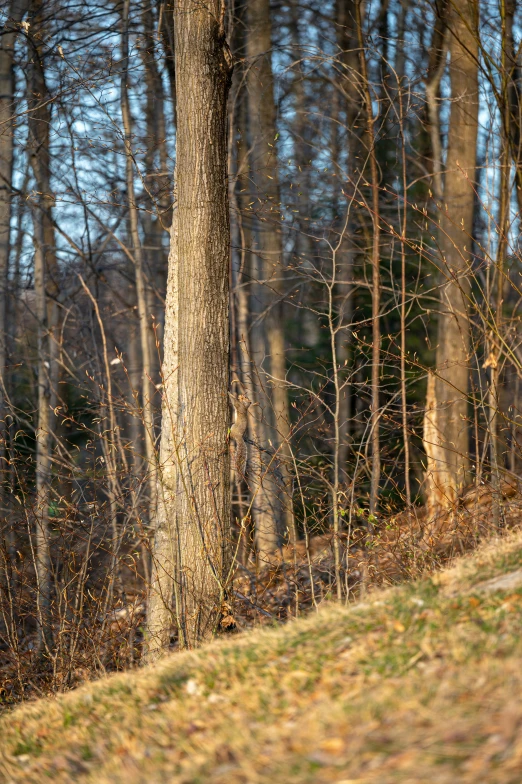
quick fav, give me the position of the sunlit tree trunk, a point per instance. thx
(197, 458)
(450, 405)
(436, 65)
(165, 555)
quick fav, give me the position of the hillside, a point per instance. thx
(420, 683)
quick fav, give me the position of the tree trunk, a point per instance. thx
(46, 289)
(263, 490)
(158, 207)
(436, 65)
(196, 468)
(166, 541)
(167, 37)
(263, 493)
(351, 88)
(512, 97)
(265, 176)
(147, 386)
(450, 412)
(376, 273)
(7, 41)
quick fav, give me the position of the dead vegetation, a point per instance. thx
(298, 580)
(417, 683)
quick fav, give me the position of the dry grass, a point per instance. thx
(420, 683)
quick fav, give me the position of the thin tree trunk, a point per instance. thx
(263, 500)
(147, 386)
(511, 59)
(158, 209)
(167, 36)
(376, 279)
(350, 84)
(164, 556)
(46, 289)
(436, 66)
(503, 228)
(265, 175)
(404, 398)
(17, 10)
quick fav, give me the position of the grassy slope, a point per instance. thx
(421, 683)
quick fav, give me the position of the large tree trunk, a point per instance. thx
(449, 409)
(264, 168)
(195, 472)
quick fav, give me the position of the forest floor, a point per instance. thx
(417, 683)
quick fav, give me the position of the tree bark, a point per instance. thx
(436, 65)
(7, 108)
(142, 295)
(376, 273)
(48, 315)
(511, 110)
(197, 459)
(451, 385)
(164, 552)
(351, 88)
(265, 176)
(263, 500)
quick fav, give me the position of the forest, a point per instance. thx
(260, 299)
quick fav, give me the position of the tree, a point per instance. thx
(447, 442)
(193, 532)
(46, 279)
(17, 10)
(142, 293)
(265, 177)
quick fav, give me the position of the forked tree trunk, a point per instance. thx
(448, 457)
(195, 466)
(265, 176)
